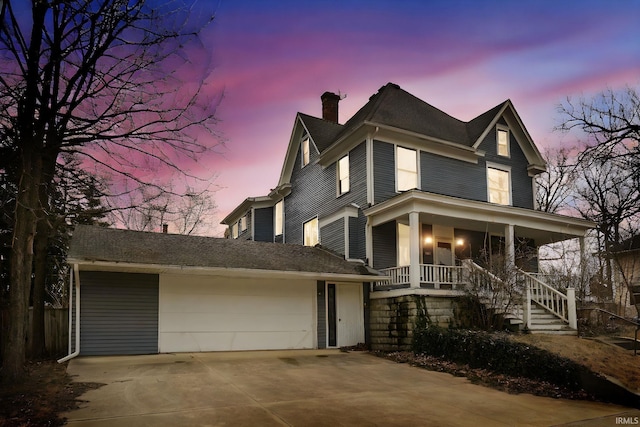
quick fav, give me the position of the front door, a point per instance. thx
(345, 315)
(444, 255)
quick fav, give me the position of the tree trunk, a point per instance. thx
(37, 338)
(24, 232)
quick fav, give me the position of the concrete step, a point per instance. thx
(554, 332)
(549, 326)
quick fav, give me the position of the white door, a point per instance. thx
(201, 313)
(350, 315)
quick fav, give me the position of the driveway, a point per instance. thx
(303, 388)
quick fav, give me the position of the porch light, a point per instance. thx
(428, 240)
(460, 242)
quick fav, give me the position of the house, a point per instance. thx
(418, 194)
(626, 284)
(141, 293)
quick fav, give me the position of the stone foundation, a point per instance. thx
(392, 320)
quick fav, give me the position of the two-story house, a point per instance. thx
(412, 191)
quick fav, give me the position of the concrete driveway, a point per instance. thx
(303, 388)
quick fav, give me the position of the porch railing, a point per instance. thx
(436, 275)
(554, 301)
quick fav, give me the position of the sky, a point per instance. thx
(275, 58)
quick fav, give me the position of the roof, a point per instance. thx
(323, 132)
(91, 244)
(629, 245)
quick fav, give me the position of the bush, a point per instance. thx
(497, 354)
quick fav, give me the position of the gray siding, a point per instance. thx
(357, 236)
(332, 236)
(384, 180)
(263, 225)
(119, 313)
(451, 177)
(521, 182)
(314, 193)
(384, 245)
(322, 314)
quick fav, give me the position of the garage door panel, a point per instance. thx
(214, 314)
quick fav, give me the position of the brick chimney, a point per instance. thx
(330, 106)
(165, 228)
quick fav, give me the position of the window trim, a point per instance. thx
(502, 168)
(502, 128)
(304, 234)
(398, 246)
(347, 179)
(305, 148)
(275, 218)
(397, 169)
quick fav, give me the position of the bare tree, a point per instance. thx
(98, 79)
(554, 188)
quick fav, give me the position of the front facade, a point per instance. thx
(410, 191)
(145, 293)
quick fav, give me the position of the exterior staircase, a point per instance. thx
(544, 322)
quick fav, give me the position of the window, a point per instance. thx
(406, 169)
(279, 215)
(503, 142)
(343, 175)
(310, 232)
(234, 230)
(243, 223)
(499, 186)
(305, 152)
(404, 257)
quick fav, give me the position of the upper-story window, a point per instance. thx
(310, 232)
(305, 152)
(499, 185)
(343, 175)
(278, 218)
(406, 168)
(502, 141)
(243, 224)
(234, 230)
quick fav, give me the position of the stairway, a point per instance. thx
(544, 322)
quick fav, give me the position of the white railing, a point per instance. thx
(554, 301)
(441, 275)
(399, 275)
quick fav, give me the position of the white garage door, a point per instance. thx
(198, 313)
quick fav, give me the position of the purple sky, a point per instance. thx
(463, 57)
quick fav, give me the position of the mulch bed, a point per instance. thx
(46, 392)
(514, 385)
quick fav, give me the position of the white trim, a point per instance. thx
(503, 128)
(369, 166)
(275, 220)
(305, 141)
(76, 273)
(392, 293)
(350, 211)
(503, 168)
(348, 179)
(253, 223)
(395, 159)
(88, 265)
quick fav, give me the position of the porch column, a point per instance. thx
(414, 249)
(509, 247)
(368, 242)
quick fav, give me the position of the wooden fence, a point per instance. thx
(56, 329)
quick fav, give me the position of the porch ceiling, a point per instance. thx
(478, 216)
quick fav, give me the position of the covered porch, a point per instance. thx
(433, 244)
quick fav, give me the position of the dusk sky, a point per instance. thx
(275, 58)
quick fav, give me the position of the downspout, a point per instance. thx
(76, 273)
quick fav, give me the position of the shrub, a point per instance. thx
(498, 354)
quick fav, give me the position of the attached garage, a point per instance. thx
(144, 293)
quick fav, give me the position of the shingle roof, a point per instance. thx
(91, 243)
(395, 107)
(323, 132)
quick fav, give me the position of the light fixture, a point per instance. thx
(460, 242)
(428, 240)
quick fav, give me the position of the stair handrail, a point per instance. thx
(515, 307)
(561, 311)
(636, 324)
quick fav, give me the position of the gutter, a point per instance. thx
(75, 273)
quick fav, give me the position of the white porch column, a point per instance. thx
(572, 314)
(368, 242)
(414, 249)
(509, 247)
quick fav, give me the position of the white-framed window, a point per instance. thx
(404, 255)
(343, 175)
(406, 169)
(243, 224)
(310, 232)
(305, 152)
(502, 141)
(278, 218)
(499, 185)
(234, 230)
